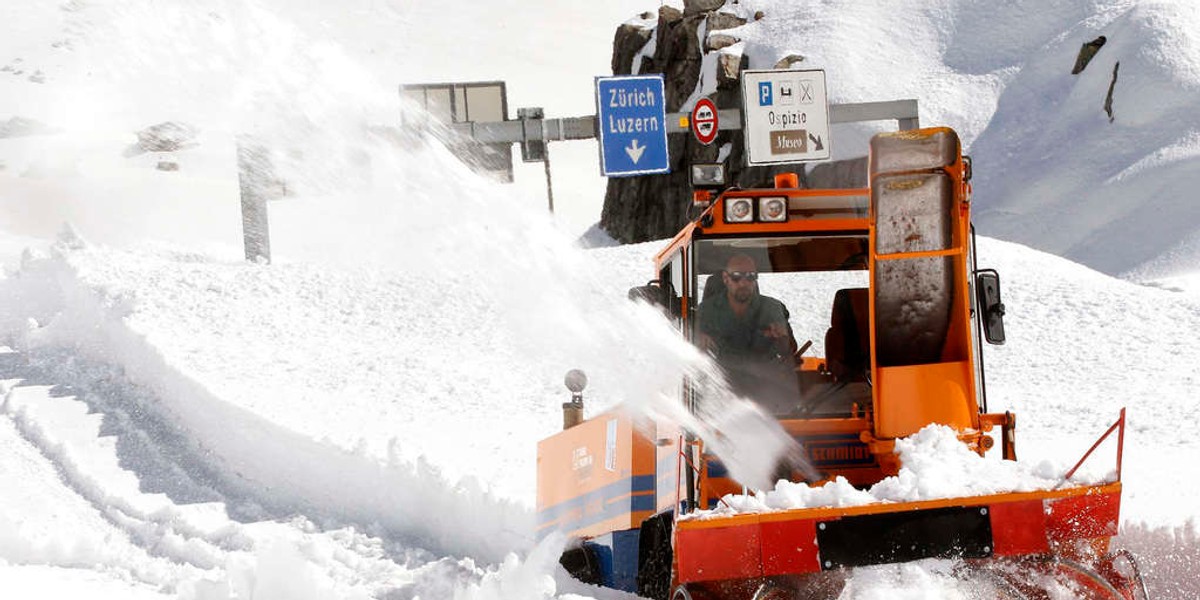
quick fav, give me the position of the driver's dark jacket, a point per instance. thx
(756, 366)
(741, 338)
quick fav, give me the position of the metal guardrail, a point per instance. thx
(904, 112)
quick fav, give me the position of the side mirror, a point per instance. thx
(991, 309)
(662, 296)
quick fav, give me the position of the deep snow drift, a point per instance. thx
(936, 465)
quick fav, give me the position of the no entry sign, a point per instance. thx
(704, 121)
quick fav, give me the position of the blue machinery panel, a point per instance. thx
(618, 556)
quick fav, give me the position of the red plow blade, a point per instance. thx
(1063, 533)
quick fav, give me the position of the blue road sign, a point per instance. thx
(633, 125)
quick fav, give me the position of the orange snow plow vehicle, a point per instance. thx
(886, 278)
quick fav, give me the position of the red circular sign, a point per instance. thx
(704, 121)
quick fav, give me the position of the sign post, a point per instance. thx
(632, 125)
(786, 116)
(469, 102)
(705, 122)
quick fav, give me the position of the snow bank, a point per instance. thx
(280, 469)
(83, 511)
(920, 580)
(41, 581)
(1081, 346)
(366, 394)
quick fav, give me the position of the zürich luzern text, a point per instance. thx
(619, 98)
(632, 124)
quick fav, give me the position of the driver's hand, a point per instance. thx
(779, 336)
(775, 331)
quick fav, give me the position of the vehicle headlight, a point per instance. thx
(773, 209)
(708, 174)
(739, 210)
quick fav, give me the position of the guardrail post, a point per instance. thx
(255, 179)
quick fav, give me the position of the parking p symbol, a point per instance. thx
(764, 93)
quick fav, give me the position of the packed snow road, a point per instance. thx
(109, 496)
(114, 503)
(107, 485)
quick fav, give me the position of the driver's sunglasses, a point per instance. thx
(738, 276)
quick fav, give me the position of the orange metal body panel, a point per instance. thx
(1074, 517)
(792, 225)
(596, 477)
(683, 238)
(798, 540)
(784, 542)
(833, 445)
(829, 512)
(911, 397)
(713, 554)
(1025, 530)
(836, 447)
(852, 225)
(800, 427)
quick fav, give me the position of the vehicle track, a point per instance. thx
(149, 482)
(69, 434)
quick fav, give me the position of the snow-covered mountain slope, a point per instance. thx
(1115, 193)
(1052, 170)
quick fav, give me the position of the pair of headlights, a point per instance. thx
(771, 209)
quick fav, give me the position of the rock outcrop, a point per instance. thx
(638, 209)
(676, 44)
(21, 126)
(169, 136)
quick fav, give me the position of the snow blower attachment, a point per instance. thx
(894, 268)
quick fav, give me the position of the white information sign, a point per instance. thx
(785, 116)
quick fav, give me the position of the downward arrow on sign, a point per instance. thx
(635, 151)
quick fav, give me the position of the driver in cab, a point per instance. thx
(749, 335)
